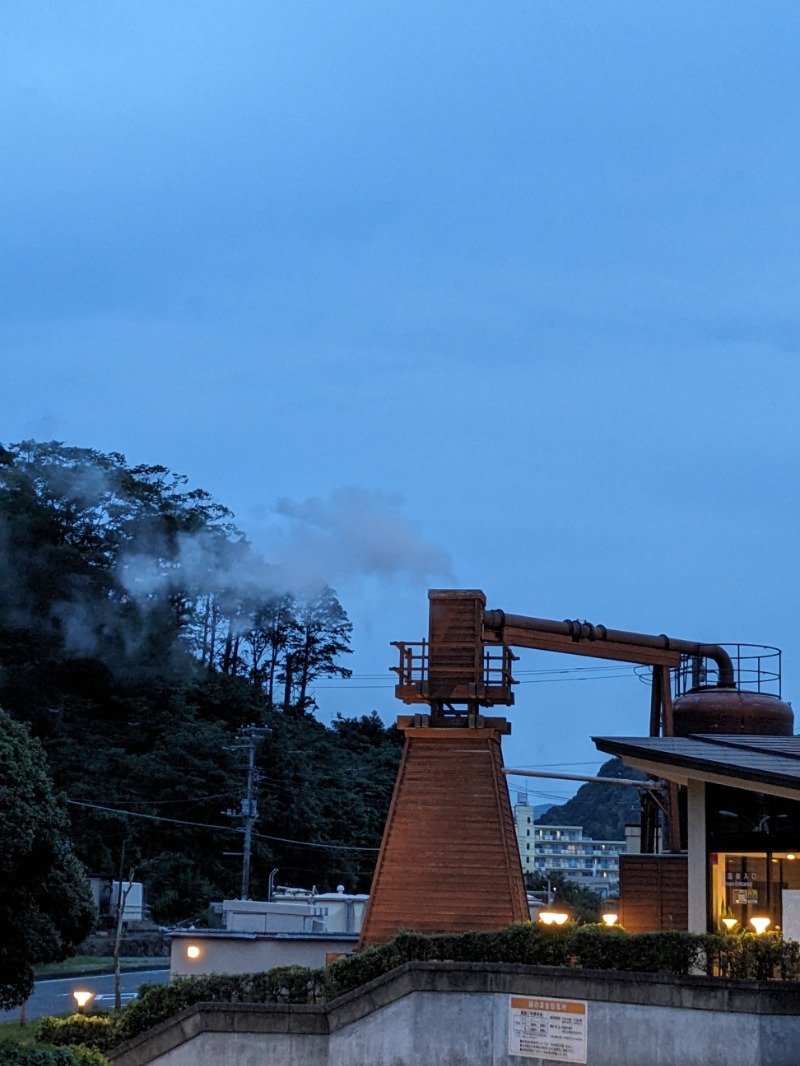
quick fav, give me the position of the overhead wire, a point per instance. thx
(221, 828)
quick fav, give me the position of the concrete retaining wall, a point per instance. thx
(457, 1014)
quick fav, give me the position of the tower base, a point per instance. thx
(449, 861)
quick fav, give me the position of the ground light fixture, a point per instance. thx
(193, 951)
(610, 918)
(730, 923)
(553, 916)
(760, 925)
(82, 998)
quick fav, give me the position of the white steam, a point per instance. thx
(353, 533)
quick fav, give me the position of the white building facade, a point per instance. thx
(563, 850)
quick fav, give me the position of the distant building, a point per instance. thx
(297, 928)
(563, 850)
(106, 895)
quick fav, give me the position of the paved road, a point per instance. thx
(54, 995)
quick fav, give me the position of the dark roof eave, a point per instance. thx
(627, 746)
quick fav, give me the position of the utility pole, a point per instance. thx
(249, 806)
(249, 813)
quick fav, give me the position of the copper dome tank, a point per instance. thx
(731, 711)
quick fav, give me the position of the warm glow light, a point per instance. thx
(729, 923)
(760, 924)
(82, 997)
(193, 951)
(610, 918)
(553, 917)
(791, 856)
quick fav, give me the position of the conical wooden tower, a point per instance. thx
(449, 860)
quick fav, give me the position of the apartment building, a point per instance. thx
(563, 849)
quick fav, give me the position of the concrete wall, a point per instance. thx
(252, 954)
(457, 1014)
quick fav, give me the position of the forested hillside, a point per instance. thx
(139, 633)
(602, 810)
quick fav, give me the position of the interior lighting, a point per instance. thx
(730, 924)
(610, 918)
(760, 924)
(82, 997)
(193, 951)
(553, 917)
(790, 855)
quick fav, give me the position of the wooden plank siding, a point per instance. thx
(455, 627)
(653, 892)
(449, 861)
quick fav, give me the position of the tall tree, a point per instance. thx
(45, 905)
(323, 634)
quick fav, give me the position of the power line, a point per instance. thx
(222, 828)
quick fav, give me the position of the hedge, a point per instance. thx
(588, 947)
(13, 1055)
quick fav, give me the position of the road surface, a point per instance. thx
(54, 995)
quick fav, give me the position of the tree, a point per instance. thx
(139, 631)
(46, 907)
(323, 633)
(582, 904)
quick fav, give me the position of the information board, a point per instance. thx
(541, 1027)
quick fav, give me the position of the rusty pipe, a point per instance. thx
(580, 631)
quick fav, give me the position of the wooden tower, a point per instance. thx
(449, 860)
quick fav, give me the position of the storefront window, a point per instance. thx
(748, 885)
(752, 840)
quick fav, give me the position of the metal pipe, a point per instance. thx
(647, 785)
(580, 631)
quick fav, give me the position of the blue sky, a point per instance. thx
(530, 266)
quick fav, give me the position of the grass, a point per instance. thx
(90, 965)
(14, 1033)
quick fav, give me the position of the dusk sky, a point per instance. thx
(509, 291)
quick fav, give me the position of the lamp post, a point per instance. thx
(553, 916)
(82, 998)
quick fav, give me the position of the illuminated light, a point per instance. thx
(82, 997)
(730, 924)
(551, 917)
(791, 856)
(610, 918)
(193, 951)
(760, 924)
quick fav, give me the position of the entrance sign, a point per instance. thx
(541, 1027)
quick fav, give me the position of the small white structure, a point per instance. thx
(106, 896)
(297, 928)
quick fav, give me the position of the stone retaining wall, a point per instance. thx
(457, 1014)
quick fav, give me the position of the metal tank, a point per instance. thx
(750, 706)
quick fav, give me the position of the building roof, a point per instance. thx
(760, 763)
(245, 934)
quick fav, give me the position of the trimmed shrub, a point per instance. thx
(97, 1031)
(761, 958)
(44, 1056)
(156, 1003)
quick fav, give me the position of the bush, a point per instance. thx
(43, 1056)
(156, 1003)
(748, 955)
(97, 1031)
